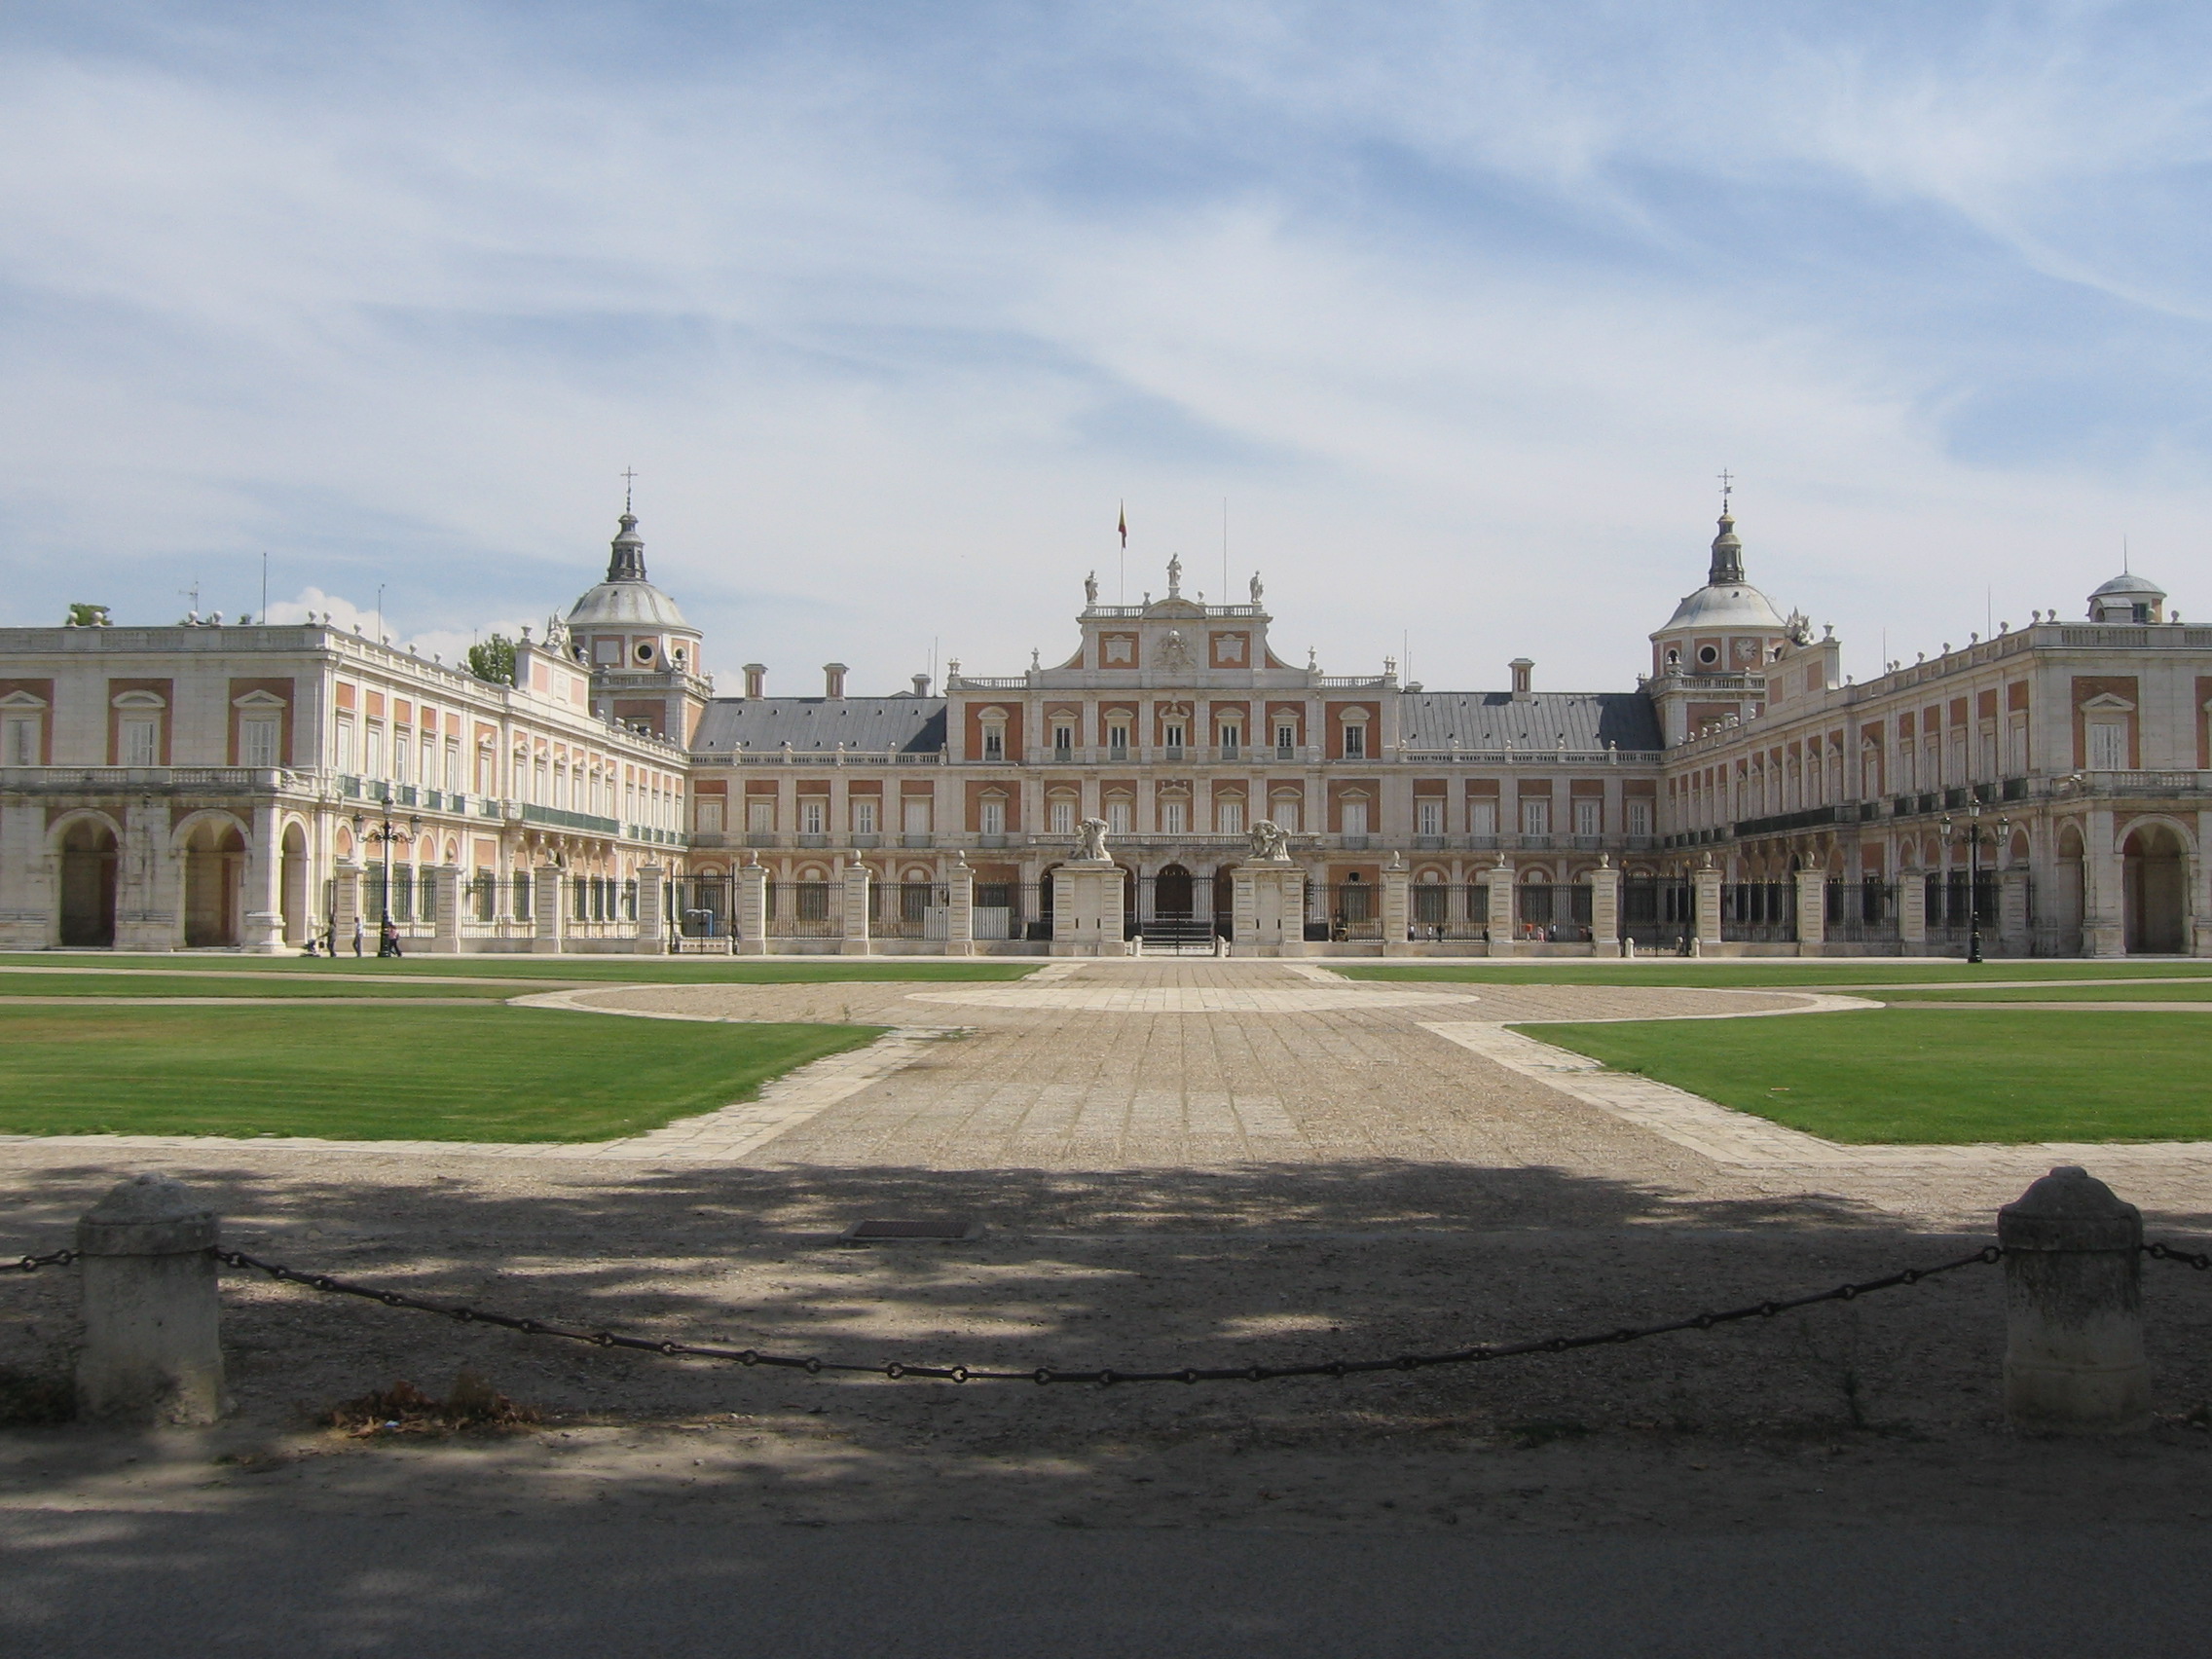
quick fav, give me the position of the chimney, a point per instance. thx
(832, 680)
(1522, 669)
(755, 679)
(921, 685)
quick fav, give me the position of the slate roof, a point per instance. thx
(872, 725)
(1490, 719)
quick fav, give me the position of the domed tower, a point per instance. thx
(643, 656)
(1709, 662)
(2128, 597)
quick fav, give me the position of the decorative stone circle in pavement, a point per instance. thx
(1184, 999)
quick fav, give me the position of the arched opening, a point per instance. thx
(214, 885)
(1171, 891)
(2071, 899)
(293, 887)
(87, 884)
(2155, 884)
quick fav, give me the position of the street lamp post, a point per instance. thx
(387, 936)
(1974, 833)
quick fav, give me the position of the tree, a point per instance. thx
(494, 660)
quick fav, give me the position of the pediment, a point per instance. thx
(21, 700)
(2106, 703)
(140, 700)
(258, 700)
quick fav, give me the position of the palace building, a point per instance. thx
(2044, 792)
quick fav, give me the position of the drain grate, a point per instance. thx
(885, 1231)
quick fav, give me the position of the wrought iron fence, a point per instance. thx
(1758, 913)
(909, 909)
(1436, 911)
(1861, 913)
(701, 912)
(1011, 910)
(1658, 915)
(803, 910)
(1349, 910)
(1558, 912)
(1174, 907)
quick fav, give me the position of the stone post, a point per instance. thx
(752, 918)
(152, 1352)
(1397, 906)
(2104, 930)
(263, 929)
(445, 918)
(1912, 913)
(545, 897)
(959, 908)
(1087, 908)
(1499, 879)
(344, 901)
(1606, 909)
(2014, 925)
(653, 924)
(2074, 1307)
(149, 880)
(1812, 911)
(29, 914)
(1705, 885)
(855, 885)
(1270, 910)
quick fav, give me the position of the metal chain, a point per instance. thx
(897, 1371)
(32, 1264)
(2200, 1260)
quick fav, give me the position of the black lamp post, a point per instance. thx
(1974, 833)
(387, 834)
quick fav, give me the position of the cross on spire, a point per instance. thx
(1727, 487)
(629, 474)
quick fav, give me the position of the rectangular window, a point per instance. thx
(21, 748)
(140, 741)
(402, 759)
(453, 767)
(1171, 737)
(761, 818)
(1118, 817)
(1482, 817)
(257, 742)
(1229, 817)
(812, 817)
(1286, 741)
(2016, 762)
(1118, 742)
(710, 817)
(1285, 810)
(1428, 818)
(2108, 747)
(1174, 817)
(916, 811)
(1536, 817)
(1063, 816)
(1232, 740)
(344, 755)
(1587, 816)
(1354, 815)
(1063, 741)
(1355, 743)
(994, 743)
(372, 754)
(863, 816)
(1639, 818)
(484, 783)
(994, 818)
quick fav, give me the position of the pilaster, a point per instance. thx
(263, 923)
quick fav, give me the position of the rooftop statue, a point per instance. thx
(1090, 841)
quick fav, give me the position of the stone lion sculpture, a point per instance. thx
(1091, 840)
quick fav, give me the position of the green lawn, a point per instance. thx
(2194, 990)
(488, 1074)
(287, 985)
(569, 969)
(1901, 1075)
(1785, 970)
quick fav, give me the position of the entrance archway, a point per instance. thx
(293, 887)
(87, 884)
(2154, 882)
(2070, 902)
(214, 885)
(1171, 891)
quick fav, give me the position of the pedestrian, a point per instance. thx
(388, 939)
(357, 932)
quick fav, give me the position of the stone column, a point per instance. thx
(1812, 911)
(149, 881)
(445, 898)
(1912, 913)
(545, 896)
(1606, 909)
(2013, 927)
(752, 918)
(2074, 1307)
(1705, 886)
(152, 1349)
(262, 933)
(1397, 904)
(1498, 878)
(30, 912)
(855, 885)
(959, 908)
(1087, 908)
(345, 903)
(2103, 905)
(652, 926)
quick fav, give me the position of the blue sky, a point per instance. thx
(1460, 308)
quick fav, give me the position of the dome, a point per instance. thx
(1736, 606)
(626, 599)
(2129, 585)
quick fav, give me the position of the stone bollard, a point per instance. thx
(2074, 1307)
(152, 1352)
